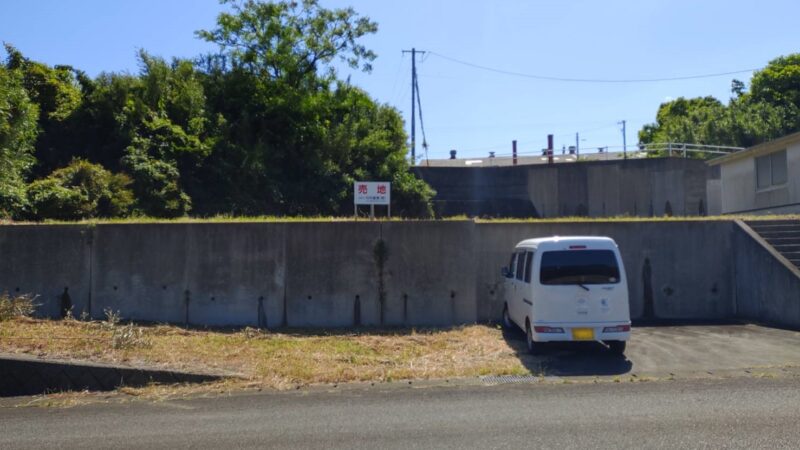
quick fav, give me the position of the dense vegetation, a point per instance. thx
(770, 109)
(263, 126)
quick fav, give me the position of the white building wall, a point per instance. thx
(738, 186)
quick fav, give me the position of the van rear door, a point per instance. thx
(581, 285)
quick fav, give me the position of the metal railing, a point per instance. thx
(671, 149)
(683, 148)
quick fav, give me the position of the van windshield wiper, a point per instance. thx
(583, 286)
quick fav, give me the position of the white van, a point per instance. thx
(568, 289)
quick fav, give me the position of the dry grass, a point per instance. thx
(328, 219)
(275, 359)
(16, 306)
(730, 217)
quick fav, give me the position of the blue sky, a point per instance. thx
(471, 110)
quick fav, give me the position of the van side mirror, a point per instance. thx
(504, 272)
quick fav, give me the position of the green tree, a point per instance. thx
(18, 131)
(81, 190)
(293, 138)
(290, 40)
(779, 82)
(771, 109)
(56, 92)
(684, 120)
(366, 141)
(156, 182)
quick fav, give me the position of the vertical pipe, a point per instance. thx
(514, 151)
(624, 141)
(549, 149)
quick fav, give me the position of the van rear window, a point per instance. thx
(579, 267)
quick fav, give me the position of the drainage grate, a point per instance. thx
(503, 379)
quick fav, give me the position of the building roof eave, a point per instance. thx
(758, 150)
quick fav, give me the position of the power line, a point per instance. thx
(397, 78)
(589, 80)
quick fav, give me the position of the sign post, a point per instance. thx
(372, 193)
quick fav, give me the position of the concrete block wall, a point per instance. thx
(48, 261)
(430, 272)
(328, 266)
(333, 274)
(211, 274)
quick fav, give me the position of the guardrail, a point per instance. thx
(685, 148)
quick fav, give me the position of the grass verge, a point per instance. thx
(327, 219)
(281, 360)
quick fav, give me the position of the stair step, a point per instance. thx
(783, 227)
(785, 240)
(773, 222)
(791, 256)
(780, 234)
(785, 248)
(796, 262)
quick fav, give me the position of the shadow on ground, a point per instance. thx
(22, 375)
(568, 358)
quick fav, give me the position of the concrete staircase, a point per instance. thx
(783, 235)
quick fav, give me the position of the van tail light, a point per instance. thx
(548, 329)
(617, 329)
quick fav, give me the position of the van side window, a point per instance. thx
(528, 266)
(520, 264)
(512, 265)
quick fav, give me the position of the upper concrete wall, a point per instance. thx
(635, 187)
(492, 191)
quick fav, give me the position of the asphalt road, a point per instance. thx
(734, 413)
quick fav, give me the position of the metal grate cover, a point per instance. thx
(504, 379)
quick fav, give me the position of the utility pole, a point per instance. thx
(624, 141)
(413, 52)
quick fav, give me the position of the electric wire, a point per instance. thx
(589, 80)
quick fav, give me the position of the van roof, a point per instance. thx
(555, 242)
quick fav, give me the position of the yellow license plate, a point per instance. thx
(583, 334)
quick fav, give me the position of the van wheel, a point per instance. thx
(534, 348)
(507, 323)
(617, 347)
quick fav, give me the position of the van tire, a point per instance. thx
(507, 323)
(534, 348)
(617, 347)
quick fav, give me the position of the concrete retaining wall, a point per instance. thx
(594, 189)
(51, 261)
(211, 274)
(767, 286)
(323, 274)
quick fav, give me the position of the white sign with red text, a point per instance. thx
(372, 192)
